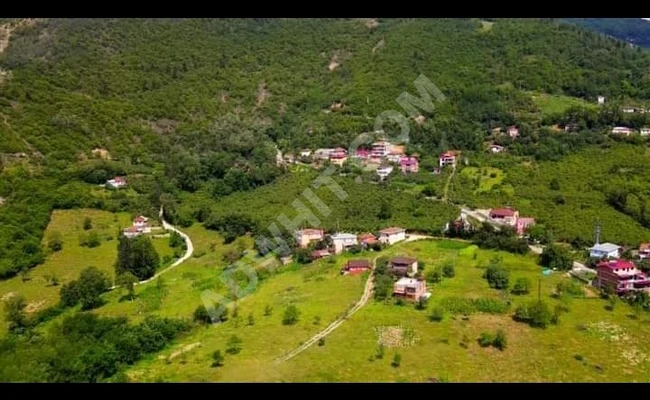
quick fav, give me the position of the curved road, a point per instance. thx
(187, 255)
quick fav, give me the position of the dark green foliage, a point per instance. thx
(383, 287)
(15, 313)
(88, 224)
(569, 287)
(554, 256)
(437, 314)
(434, 276)
(234, 345)
(466, 306)
(217, 359)
(633, 30)
(176, 240)
(505, 239)
(397, 360)
(231, 226)
(251, 319)
(380, 352)
(421, 304)
(137, 256)
(537, 314)
(69, 294)
(554, 184)
(497, 276)
(85, 348)
(522, 286)
(55, 242)
(127, 280)
(268, 310)
(201, 315)
(91, 284)
(448, 270)
(500, 341)
(321, 342)
(486, 339)
(291, 315)
(90, 239)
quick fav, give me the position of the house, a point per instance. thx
(384, 170)
(644, 251)
(628, 110)
(496, 131)
(402, 266)
(495, 148)
(141, 223)
(410, 288)
(339, 156)
(505, 215)
(621, 276)
(409, 165)
(645, 131)
(342, 241)
(621, 130)
(447, 158)
(361, 154)
(305, 236)
(132, 231)
(289, 158)
(571, 128)
(117, 182)
(513, 132)
(605, 250)
(380, 149)
(367, 239)
(353, 267)
(323, 154)
(316, 254)
(601, 99)
(523, 223)
(392, 235)
(305, 153)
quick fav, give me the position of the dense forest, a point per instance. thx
(186, 106)
(632, 30)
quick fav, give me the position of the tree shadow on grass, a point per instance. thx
(127, 297)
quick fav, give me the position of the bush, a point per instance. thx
(569, 287)
(291, 315)
(234, 345)
(380, 352)
(500, 341)
(397, 360)
(55, 243)
(522, 286)
(497, 276)
(556, 257)
(421, 304)
(437, 314)
(88, 224)
(268, 310)
(90, 240)
(434, 276)
(321, 342)
(217, 359)
(448, 270)
(201, 315)
(486, 339)
(537, 314)
(464, 306)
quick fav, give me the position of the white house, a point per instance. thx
(384, 170)
(392, 235)
(117, 182)
(141, 223)
(495, 148)
(380, 149)
(601, 99)
(324, 154)
(132, 231)
(341, 241)
(447, 158)
(305, 153)
(605, 250)
(621, 130)
(645, 131)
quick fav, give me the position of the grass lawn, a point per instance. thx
(486, 177)
(613, 348)
(557, 104)
(72, 259)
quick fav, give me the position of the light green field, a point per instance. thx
(72, 259)
(532, 354)
(557, 104)
(487, 178)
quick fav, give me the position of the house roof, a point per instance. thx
(320, 253)
(343, 236)
(358, 264)
(447, 154)
(140, 218)
(131, 229)
(408, 161)
(367, 237)
(606, 247)
(311, 232)
(362, 153)
(391, 231)
(644, 247)
(407, 281)
(119, 179)
(502, 212)
(617, 264)
(402, 260)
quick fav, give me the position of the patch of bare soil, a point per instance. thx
(101, 153)
(262, 94)
(337, 106)
(379, 45)
(334, 63)
(420, 119)
(183, 350)
(163, 126)
(7, 296)
(396, 336)
(34, 306)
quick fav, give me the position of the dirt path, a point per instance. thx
(445, 192)
(185, 257)
(367, 292)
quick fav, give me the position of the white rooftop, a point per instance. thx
(606, 247)
(407, 281)
(343, 236)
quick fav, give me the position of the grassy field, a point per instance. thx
(73, 258)
(485, 178)
(559, 353)
(557, 104)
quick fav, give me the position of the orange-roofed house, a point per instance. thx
(367, 239)
(392, 235)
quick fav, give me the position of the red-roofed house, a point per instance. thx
(356, 267)
(621, 276)
(316, 254)
(506, 216)
(338, 156)
(305, 236)
(408, 164)
(644, 250)
(523, 223)
(447, 158)
(402, 266)
(117, 182)
(363, 154)
(132, 231)
(392, 235)
(367, 239)
(141, 223)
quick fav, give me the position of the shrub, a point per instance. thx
(569, 287)
(217, 359)
(448, 270)
(500, 341)
(291, 315)
(437, 314)
(321, 342)
(486, 339)
(421, 303)
(88, 224)
(557, 257)
(397, 360)
(251, 319)
(380, 352)
(201, 315)
(55, 242)
(497, 276)
(268, 310)
(90, 240)
(460, 305)
(234, 345)
(522, 286)
(537, 314)
(434, 276)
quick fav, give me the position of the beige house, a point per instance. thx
(305, 236)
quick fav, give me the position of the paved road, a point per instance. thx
(187, 255)
(367, 292)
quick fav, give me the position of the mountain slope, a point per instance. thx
(631, 30)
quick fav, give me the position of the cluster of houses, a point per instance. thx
(613, 273)
(116, 183)
(140, 226)
(625, 131)
(510, 217)
(342, 241)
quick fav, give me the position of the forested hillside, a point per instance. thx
(187, 104)
(632, 30)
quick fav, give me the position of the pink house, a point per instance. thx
(364, 154)
(513, 132)
(506, 215)
(523, 223)
(447, 158)
(408, 164)
(621, 276)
